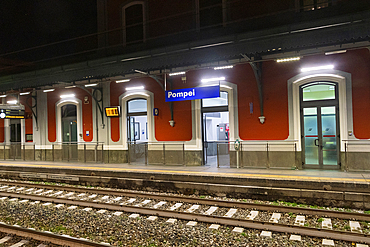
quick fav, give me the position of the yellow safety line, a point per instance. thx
(192, 172)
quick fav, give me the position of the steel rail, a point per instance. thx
(48, 237)
(313, 232)
(213, 202)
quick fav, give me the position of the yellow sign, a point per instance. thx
(112, 111)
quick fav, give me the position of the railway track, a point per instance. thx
(268, 218)
(16, 236)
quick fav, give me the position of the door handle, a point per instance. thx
(316, 144)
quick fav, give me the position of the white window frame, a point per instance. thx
(142, 3)
(58, 116)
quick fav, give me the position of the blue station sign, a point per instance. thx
(193, 93)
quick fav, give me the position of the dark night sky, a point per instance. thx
(30, 23)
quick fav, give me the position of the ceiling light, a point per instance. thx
(3, 96)
(24, 93)
(289, 59)
(91, 85)
(12, 102)
(177, 73)
(70, 86)
(224, 67)
(67, 96)
(213, 79)
(317, 68)
(125, 80)
(335, 52)
(48, 90)
(134, 88)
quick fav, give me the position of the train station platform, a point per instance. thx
(305, 179)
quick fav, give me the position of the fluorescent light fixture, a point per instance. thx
(288, 59)
(91, 85)
(134, 88)
(67, 96)
(70, 86)
(12, 102)
(48, 90)
(335, 52)
(125, 80)
(213, 79)
(224, 67)
(141, 72)
(24, 93)
(317, 68)
(177, 73)
(3, 96)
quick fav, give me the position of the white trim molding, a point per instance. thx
(58, 117)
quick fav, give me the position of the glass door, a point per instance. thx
(320, 137)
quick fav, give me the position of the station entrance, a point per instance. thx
(215, 115)
(320, 125)
(69, 132)
(137, 130)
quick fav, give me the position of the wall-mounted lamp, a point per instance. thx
(177, 73)
(317, 68)
(134, 88)
(213, 79)
(12, 102)
(125, 80)
(224, 67)
(48, 90)
(91, 85)
(67, 96)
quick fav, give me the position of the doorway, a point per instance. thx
(69, 132)
(320, 125)
(137, 130)
(215, 114)
(15, 138)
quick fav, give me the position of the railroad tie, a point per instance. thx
(152, 218)
(275, 217)
(266, 234)
(355, 226)
(129, 201)
(326, 224)
(191, 223)
(159, 204)
(299, 220)
(176, 206)
(5, 239)
(211, 210)
(171, 221)
(23, 242)
(192, 209)
(295, 238)
(252, 214)
(142, 203)
(238, 230)
(328, 242)
(134, 216)
(230, 213)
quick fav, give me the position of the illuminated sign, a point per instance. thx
(112, 111)
(11, 113)
(193, 93)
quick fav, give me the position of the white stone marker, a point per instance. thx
(191, 223)
(326, 224)
(238, 230)
(355, 226)
(192, 208)
(299, 220)
(295, 238)
(328, 242)
(171, 221)
(214, 226)
(266, 234)
(118, 213)
(72, 207)
(152, 218)
(252, 214)
(176, 206)
(275, 217)
(159, 204)
(87, 209)
(211, 210)
(230, 213)
(5, 239)
(134, 216)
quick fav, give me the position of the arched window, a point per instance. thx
(133, 17)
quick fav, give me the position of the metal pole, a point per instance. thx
(129, 153)
(52, 151)
(34, 151)
(146, 153)
(96, 153)
(267, 154)
(241, 154)
(14, 152)
(218, 157)
(69, 146)
(84, 152)
(24, 151)
(4, 151)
